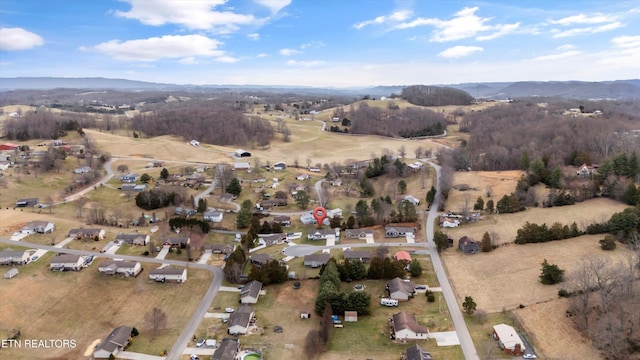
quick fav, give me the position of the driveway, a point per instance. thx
(138, 356)
(204, 259)
(163, 253)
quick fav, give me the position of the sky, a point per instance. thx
(321, 43)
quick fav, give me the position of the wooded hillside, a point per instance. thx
(409, 122)
(435, 96)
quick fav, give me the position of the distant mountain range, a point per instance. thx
(619, 89)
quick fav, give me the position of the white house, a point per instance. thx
(215, 216)
(508, 339)
(126, 268)
(302, 177)
(82, 170)
(66, 262)
(41, 227)
(250, 292)
(400, 289)
(412, 199)
(325, 234)
(280, 165)
(241, 166)
(4, 165)
(406, 327)
(448, 223)
(133, 239)
(14, 257)
(168, 274)
(240, 320)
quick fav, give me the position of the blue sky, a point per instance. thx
(337, 43)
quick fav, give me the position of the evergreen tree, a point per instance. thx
(551, 274)
(234, 187)
(469, 305)
(415, 269)
(486, 242)
(164, 174)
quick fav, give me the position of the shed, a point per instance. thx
(305, 314)
(11, 273)
(350, 316)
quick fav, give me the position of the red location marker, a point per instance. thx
(319, 214)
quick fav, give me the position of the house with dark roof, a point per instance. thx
(177, 242)
(316, 260)
(362, 255)
(270, 239)
(406, 327)
(358, 233)
(250, 292)
(282, 220)
(259, 259)
(239, 321)
(392, 231)
(87, 233)
(220, 248)
(133, 239)
(227, 350)
(66, 262)
(400, 289)
(115, 342)
(468, 246)
(416, 352)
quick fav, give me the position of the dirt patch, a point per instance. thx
(479, 183)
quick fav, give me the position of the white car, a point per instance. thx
(529, 356)
(229, 310)
(200, 343)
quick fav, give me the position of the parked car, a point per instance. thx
(34, 258)
(229, 310)
(529, 356)
(194, 357)
(200, 343)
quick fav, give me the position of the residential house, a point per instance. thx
(130, 177)
(9, 146)
(265, 204)
(227, 350)
(177, 242)
(415, 166)
(403, 255)
(40, 227)
(14, 257)
(413, 200)
(259, 259)
(250, 292)
(400, 289)
(126, 268)
(392, 231)
(168, 274)
(302, 177)
(336, 182)
(324, 234)
(362, 255)
(82, 170)
(66, 262)
(450, 223)
(584, 171)
(11, 273)
(358, 233)
(270, 239)
(127, 187)
(215, 216)
(133, 239)
(140, 188)
(220, 248)
(415, 352)
(27, 202)
(115, 342)
(316, 260)
(241, 166)
(87, 233)
(239, 321)
(242, 153)
(508, 339)
(406, 327)
(468, 245)
(227, 197)
(280, 165)
(283, 220)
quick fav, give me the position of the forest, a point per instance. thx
(435, 96)
(409, 122)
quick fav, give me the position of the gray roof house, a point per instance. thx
(406, 327)
(323, 234)
(363, 255)
(215, 216)
(391, 231)
(126, 268)
(468, 245)
(115, 342)
(220, 248)
(400, 289)
(40, 227)
(259, 259)
(14, 257)
(316, 260)
(415, 352)
(66, 262)
(134, 239)
(168, 274)
(239, 321)
(228, 349)
(250, 292)
(87, 233)
(358, 233)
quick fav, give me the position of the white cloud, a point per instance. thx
(199, 15)
(274, 5)
(464, 24)
(459, 51)
(312, 44)
(155, 48)
(626, 41)
(585, 19)
(227, 59)
(566, 47)
(261, 55)
(12, 39)
(396, 16)
(289, 52)
(502, 30)
(254, 36)
(561, 55)
(587, 30)
(304, 63)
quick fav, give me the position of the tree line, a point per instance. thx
(409, 122)
(435, 96)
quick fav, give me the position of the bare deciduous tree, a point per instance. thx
(156, 320)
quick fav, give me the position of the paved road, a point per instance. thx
(466, 343)
(198, 315)
(302, 250)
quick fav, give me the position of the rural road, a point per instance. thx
(302, 250)
(190, 328)
(466, 343)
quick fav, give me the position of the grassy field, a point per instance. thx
(86, 306)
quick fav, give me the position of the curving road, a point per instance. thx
(466, 343)
(191, 327)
